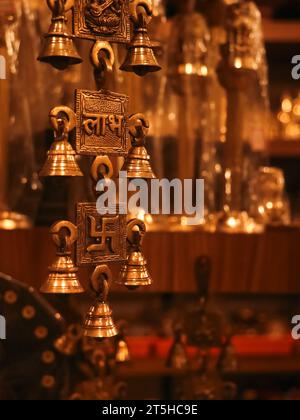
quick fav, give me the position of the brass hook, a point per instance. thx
(138, 126)
(136, 229)
(99, 163)
(101, 280)
(135, 11)
(63, 240)
(54, 116)
(102, 56)
(69, 4)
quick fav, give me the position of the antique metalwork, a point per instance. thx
(101, 239)
(67, 344)
(99, 322)
(122, 354)
(107, 20)
(59, 49)
(178, 358)
(103, 129)
(62, 278)
(61, 160)
(140, 57)
(134, 273)
(101, 123)
(137, 163)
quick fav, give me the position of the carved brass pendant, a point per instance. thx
(101, 239)
(101, 123)
(108, 20)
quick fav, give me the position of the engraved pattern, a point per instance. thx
(107, 20)
(101, 239)
(113, 138)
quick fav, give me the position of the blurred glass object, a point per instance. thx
(289, 117)
(182, 110)
(269, 201)
(243, 73)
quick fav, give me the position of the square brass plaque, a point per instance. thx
(107, 20)
(101, 239)
(101, 123)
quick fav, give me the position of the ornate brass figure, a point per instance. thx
(122, 354)
(101, 123)
(140, 58)
(99, 322)
(134, 273)
(137, 164)
(62, 278)
(59, 49)
(61, 160)
(178, 358)
(101, 239)
(67, 344)
(106, 20)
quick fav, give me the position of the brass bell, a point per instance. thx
(137, 163)
(62, 278)
(59, 49)
(134, 273)
(67, 344)
(140, 57)
(99, 322)
(61, 160)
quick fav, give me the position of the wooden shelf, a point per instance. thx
(267, 366)
(265, 264)
(284, 148)
(279, 31)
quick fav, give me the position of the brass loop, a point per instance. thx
(102, 56)
(54, 116)
(101, 280)
(57, 237)
(74, 332)
(69, 4)
(138, 126)
(99, 162)
(135, 10)
(136, 229)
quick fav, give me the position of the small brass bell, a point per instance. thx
(62, 278)
(140, 57)
(134, 273)
(67, 344)
(137, 164)
(61, 160)
(99, 322)
(59, 49)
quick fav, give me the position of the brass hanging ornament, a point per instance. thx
(67, 344)
(59, 49)
(62, 278)
(137, 163)
(140, 57)
(134, 273)
(99, 322)
(61, 160)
